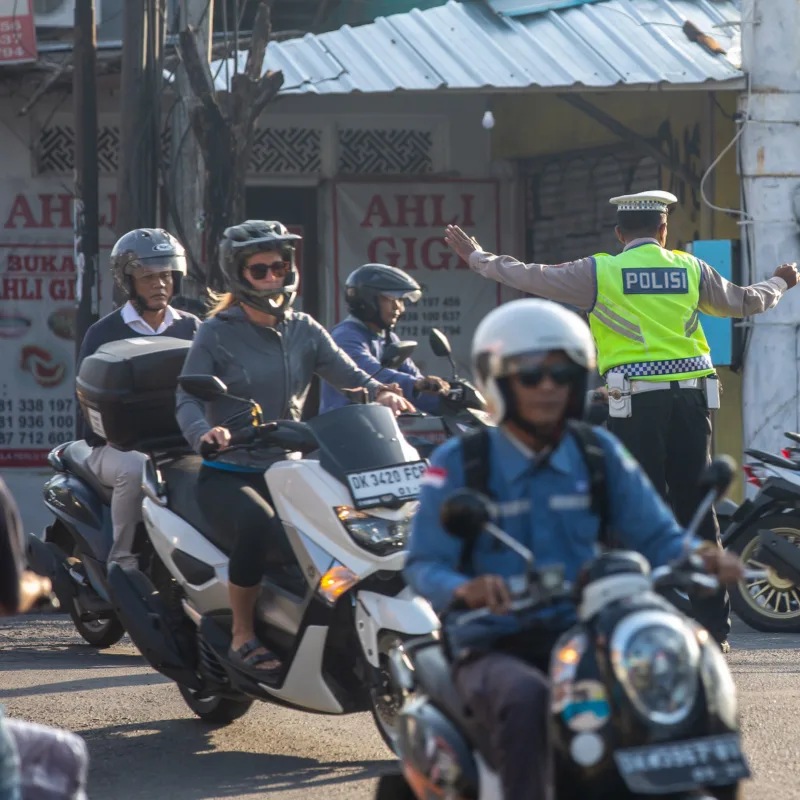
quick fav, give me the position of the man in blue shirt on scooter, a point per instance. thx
(376, 295)
(531, 360)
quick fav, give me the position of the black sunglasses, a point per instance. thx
(259, 271)
(562, 374)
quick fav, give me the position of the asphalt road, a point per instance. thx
(144, 743)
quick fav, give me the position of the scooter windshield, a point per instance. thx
(359, 438)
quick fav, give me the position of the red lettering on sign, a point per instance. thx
(60, 204)
(62, 289)
(21, 289)
(418, 211)
(376, 207)
(414, 204)
(21, 208)
(37, 263)
(55, 212)
(432, 253)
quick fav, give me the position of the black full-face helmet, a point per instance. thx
(239, 242)
(146, 250)
(366, 284)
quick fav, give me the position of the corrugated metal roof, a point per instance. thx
(468, 47)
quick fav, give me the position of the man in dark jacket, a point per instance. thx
(147, 265)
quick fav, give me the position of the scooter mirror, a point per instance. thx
(464, 514)
(203, 387)
(439, 343)
(395, 353)
(718, 475)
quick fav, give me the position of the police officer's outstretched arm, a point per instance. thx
(572, 283)
(721, 298)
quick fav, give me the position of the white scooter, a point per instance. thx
(332, 613)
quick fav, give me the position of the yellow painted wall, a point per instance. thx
(692, 126)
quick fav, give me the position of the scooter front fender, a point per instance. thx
(406, 614)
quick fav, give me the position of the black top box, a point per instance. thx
(127, 392)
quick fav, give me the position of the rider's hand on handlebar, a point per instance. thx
(431, 385)
(727, 567)
(487, 591)
(394, 401)
(219, 436)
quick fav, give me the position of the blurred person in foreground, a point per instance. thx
(36, 762)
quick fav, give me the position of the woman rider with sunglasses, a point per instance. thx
(261, 349)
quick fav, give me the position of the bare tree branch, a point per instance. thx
(262, 28)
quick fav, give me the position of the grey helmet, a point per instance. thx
(146, 250)
(366, 284)
(259, 236)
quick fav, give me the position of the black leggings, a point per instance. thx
(239, 502)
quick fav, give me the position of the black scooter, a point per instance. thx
(643, 702)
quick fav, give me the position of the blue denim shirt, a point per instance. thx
(366, 348)
(547, 509)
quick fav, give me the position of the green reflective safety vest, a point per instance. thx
(645, 321)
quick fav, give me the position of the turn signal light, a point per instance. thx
(335, 582)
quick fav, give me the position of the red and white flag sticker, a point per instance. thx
(434, 476)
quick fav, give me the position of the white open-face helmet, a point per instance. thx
(524, 327)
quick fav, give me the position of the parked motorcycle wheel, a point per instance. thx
(771, 604)
(215, 709)
(100, 633)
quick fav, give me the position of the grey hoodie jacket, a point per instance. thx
(273, 366)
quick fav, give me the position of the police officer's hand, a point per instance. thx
(461, 243)
(788, 272)
(727, 567)
(487, 591)
(431, 385)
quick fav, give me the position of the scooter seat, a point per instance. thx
(74, 457)
(180, 477)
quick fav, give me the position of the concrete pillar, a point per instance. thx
(771, 180)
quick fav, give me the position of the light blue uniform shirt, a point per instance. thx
(549, 512)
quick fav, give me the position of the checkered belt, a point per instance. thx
(653, 369)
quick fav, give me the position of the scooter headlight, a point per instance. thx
(656, 658)
(380, 536)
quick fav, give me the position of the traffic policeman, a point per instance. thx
(643, 307)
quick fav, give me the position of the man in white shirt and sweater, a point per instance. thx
(147, 265)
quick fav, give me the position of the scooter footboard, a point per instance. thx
(404, 613)
(140, 609)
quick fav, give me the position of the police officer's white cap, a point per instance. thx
(644, 201)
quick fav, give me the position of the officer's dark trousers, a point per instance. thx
(669, 434)
(509, 700)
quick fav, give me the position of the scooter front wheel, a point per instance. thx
(100, 633)
(213, 708)
(385, 709)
